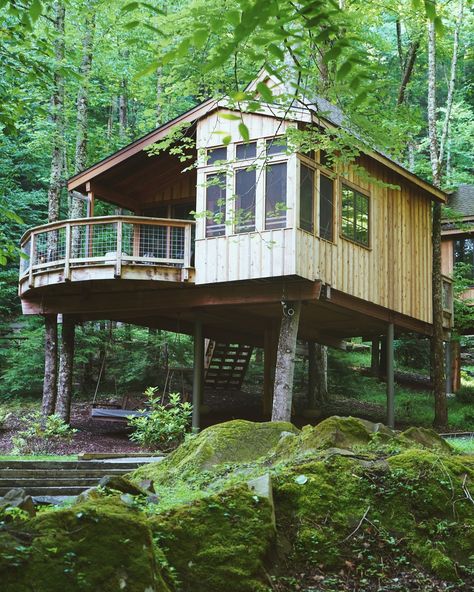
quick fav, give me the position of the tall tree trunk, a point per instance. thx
(285, 363)
(408, 70)
(50, 366)
(63, 403)
(437, 350)
(317, 374)
(83, 110)
(54, 197)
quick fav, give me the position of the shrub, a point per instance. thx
(163, 425)
(465, 394)
(39, 438)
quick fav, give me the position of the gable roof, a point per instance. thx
(320, 107)
(462, 200)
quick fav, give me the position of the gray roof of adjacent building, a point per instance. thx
(462, 200)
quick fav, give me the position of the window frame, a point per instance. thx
(263, 171)
(234, 196)
(366, 194)
(208, 174)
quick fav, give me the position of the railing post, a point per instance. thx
(118, 263)
(32, 255)
(67, 253)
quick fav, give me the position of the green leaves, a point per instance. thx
(244, 132)
(265, 92)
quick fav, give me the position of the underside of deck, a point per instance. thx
(237, 311)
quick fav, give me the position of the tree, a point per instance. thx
(436, 158)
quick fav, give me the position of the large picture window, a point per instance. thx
(326, 207)
(215, 204)
(275, 196)
(306, 198)
(245, 180)
(355, 215)
(464, 253)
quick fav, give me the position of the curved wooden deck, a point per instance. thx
(103, 249)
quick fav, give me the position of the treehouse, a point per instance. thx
(215, 244)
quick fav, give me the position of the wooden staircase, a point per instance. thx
(226, 365)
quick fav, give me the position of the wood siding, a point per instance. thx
(394, 271)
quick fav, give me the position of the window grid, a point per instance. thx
(354, 215)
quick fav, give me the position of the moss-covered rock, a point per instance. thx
(100, 546)
(426, 439)
(236, 441)
(218, 543)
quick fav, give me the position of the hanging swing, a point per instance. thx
(111, 411)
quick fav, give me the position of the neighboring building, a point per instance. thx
(279, 227)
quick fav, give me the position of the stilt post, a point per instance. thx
(198, 374)
(66, 367)
(390, 378)
(269, 356)
(50, 366)
(375, 356)
(449, 367)
(285, 362)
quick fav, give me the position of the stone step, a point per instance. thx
(47, 491)
(59, 473)
(70, 465)
(27, 484)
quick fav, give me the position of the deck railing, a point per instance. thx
(106, 240)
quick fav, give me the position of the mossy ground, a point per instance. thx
(357, 506)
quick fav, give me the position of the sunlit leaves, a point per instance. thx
(244, 132)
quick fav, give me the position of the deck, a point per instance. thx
(106, 248)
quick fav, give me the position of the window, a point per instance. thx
(276, 146)
(215, 204)
(216, 154)
(306, 198)
(245, 180)
(275, 196)
(326, 207)
(248, 150)
(464, 253)
(355, 216)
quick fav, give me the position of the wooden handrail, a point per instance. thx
(104, 220)
(113, 251)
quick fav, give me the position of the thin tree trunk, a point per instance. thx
(159, 91)
(63, 403)
(408, 71)
(285, 363)
(50, 365)
(317, 375)
(451, 85)
(123, 109)
(83, 110)
(432, 132)
(399, 44)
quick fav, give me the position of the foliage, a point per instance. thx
(413, 352)
(4, 416)
(463, 307)
(37, 435)
(162, 425)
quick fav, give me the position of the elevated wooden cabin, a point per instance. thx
(220, 245)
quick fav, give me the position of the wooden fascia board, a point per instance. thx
(137, 146)
(435, 193)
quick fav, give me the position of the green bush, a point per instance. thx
(38, 437)
(465, 394)
(163, 426)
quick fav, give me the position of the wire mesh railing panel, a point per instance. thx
(25, 257)
(103, 240)
(177, 243)
(50, 246)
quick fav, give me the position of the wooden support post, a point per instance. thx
(50, 365)
(448, 364)
(118, 261)
(317, 375)
(390, 378)
(285, 362)
(383, 357)
(269, 356)
(32, 259)
(66, 367)
(67, 253)
(198, 374)
(375, 356)
(456, 365)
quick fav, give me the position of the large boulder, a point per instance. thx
(236, 441)
(94, 546)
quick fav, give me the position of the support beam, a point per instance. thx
(390, 377)
(285, 362)
(50, 365)
(198, 374)
(269, 360)
(66, 367)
